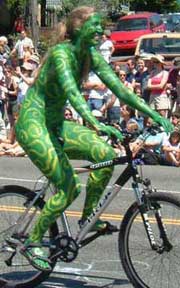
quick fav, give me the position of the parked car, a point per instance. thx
(130, 27)
(172, 22)
(166, 44)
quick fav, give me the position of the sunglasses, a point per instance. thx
(68, 114)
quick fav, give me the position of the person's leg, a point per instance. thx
(44, 150)
(83, 143)
(170, 157)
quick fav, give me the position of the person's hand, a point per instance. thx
(165, 123)
(110, 131)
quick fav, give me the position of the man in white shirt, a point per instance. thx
(19, 47)
(106, 47)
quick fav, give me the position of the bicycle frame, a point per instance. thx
(131, 170)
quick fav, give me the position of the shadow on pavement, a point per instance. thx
(87, 281)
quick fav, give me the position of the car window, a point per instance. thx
(132, 24)
(160, 45)
(155, 21)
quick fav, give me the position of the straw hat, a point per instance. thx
(27, 66)
(35, 58)
(159, 58)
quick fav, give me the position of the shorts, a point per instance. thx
(159, 102)
(12, 107)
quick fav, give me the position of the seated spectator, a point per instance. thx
(171, 149)
(175, 120)
(68, 115)
(128, 116)
(149, 147)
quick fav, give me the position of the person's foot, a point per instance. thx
(100, 226)
(36, 257)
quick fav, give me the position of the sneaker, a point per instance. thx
(100, 225)
(36, 257)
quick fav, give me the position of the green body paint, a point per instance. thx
(41, 121)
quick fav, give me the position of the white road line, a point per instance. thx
(83, 185)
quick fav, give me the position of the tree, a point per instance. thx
(160, 6)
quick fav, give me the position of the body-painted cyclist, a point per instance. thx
(41, 122)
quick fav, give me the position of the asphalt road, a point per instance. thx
(98, 264)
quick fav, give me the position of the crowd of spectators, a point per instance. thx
(145, 76)
(18, 67)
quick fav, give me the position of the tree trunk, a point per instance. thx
(34, 22)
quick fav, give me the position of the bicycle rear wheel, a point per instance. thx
(145, 267)
(13, 202)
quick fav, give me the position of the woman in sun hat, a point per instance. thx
(157, 82)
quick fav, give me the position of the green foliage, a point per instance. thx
(160, 6)
(15, 3)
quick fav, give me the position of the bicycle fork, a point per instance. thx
(144, 206)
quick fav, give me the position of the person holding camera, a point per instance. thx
(173, 85)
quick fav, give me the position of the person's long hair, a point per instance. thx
(66, 29)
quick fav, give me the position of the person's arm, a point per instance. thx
(70, 87)
(161, 85)
(108, 104)
(108, 76)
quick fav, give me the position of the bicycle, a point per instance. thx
(149, 261)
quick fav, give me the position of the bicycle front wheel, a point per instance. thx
(15, 270)
(145, 267)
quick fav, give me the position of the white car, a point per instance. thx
(166, 44)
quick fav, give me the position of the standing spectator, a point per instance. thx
(149, 65)
(12, 91)
(112, 110)
(172, 79)
(123, 78)
(97, 91)
(141, 74)
(19, 47)
(19, 24)
(131, 71)
(157, 82)
(25, 74)
(5, 49)
(27, 52)
(106, 47)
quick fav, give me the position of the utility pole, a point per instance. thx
(34, 22)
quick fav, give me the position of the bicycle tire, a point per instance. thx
(144, 267)
(21, 274)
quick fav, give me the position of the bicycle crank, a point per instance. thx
(67, 248)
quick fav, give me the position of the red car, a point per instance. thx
(130, 27)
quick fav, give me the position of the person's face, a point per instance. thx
(91, 31)
(175, 139)
(175, 120)
(130, 65)
(140, 65)
(122, 75)
(23, 34)
(68, 115)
